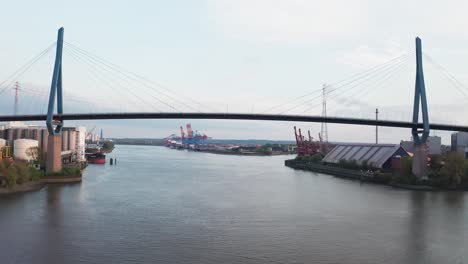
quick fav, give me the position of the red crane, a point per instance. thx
(305, 147)
(189, 131)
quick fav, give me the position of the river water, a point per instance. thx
(167, 206)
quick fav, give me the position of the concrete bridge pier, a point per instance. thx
(54, 153)
(420, 155)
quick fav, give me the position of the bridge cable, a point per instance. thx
(93, 73)
(342, 86)
(375, 83)
(24, 68)
(133, 76)
(139, 78)
(450, 77)
(379, 83)
(347, 81)
(360, 80)
(108, 70)
(108, 83)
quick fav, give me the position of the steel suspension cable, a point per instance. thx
(108, 83)
(346, 81)
(361, 80)
(96, 63)
(24, 68)
(132, 76)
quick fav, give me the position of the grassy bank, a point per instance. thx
(18, 176)
(445, 172)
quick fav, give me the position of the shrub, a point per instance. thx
(11, 180)
(67, 171)
(407, 166)
(316, 157)
(453, 170)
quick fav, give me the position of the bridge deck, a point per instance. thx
(232, 116)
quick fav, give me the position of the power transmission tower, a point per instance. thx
(324, 130)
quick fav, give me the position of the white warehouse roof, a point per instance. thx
(375, 154)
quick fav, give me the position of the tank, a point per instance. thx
(45, 140)
(39, 138)
(18, 133)
(72, 140)
(9, 134)
(2, 142)
(21, 147)
(65, 140)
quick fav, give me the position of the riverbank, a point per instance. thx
(383, 178)
(38, 185)
(21, 177)
(62, 179)
(26, 187)
(223, 152)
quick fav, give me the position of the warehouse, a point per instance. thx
(379, 155)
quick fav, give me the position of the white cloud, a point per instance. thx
(306, 21)
(364, 57)
(293, 21)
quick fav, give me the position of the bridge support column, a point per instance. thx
(54, 126)
(420, 135)
(419, 168)
(54, 153)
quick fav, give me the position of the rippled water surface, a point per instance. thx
(167, 206)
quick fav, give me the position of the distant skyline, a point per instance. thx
(243, 56)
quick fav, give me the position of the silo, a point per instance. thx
(9, 135)
(18, 133)
(21, 148)
(45, 140)
(2, 142)
(39, 138)
(65, 140)
(33, 133)
(72, 141)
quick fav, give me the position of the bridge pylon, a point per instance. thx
(54, 127)
(420, 136)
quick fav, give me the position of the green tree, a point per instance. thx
(453, 170)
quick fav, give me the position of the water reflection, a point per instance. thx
(54, 206)
(202, 209)
(417, 228)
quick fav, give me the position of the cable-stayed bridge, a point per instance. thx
(131, 92)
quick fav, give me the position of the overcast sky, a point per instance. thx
(241, 56)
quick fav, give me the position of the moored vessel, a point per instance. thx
(96, 158)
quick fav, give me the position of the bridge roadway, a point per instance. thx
(230, 116)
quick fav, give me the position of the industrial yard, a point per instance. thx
(23, 152)
(195, 141)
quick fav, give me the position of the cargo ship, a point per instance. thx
(96, 158)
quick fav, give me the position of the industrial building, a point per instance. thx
(378, 155)
(73, 138)
(434, 145)
(459, 142)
